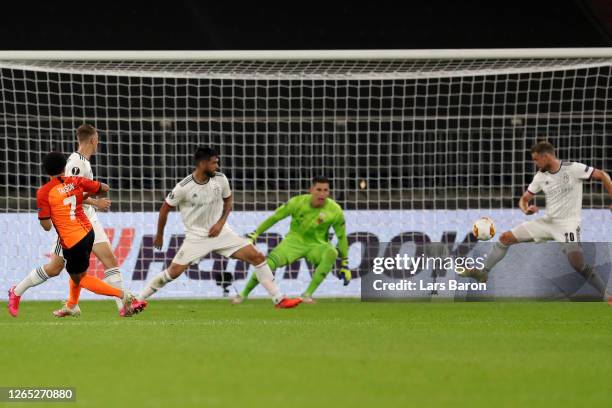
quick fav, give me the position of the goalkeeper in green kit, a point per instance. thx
(311, 216)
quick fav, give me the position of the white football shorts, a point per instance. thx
(195, 248)
(546, 229)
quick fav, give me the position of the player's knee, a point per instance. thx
(76, 277)
(578, 266)
(330, 254)
(258, 258)
(508, 238)
(175, 270)
(110, 263)
(104, 252)
(576, 260)
(54, 267)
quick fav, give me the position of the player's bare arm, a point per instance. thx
(101, 203)
(281, 213)
(344, 273)
(46, 224)
(104, 189)
(215, 230)
(89, 198)
(604, 177)
(524, 205)
(161, 224)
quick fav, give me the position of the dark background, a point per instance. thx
(456, 145)
(189, 24)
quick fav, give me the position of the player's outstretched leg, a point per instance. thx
(498, 253)
(325, 258)
(34, 278)
(248, 288)
(264, 275)
(71, 307)
(595, 281)
(252, 283)
(13, 302)
(285, 253)
(103, 251)
(576, 259)
(160, 280)
(112, 275)
(99, 287)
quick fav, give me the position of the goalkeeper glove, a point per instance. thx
(252, 237)
(345, 272)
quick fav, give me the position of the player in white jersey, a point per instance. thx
(78, 165)
(204, 199)
(561, 183)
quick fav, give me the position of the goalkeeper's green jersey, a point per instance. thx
(311, 224)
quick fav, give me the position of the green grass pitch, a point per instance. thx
(205, 353)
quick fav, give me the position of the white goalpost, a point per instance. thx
(419, 141)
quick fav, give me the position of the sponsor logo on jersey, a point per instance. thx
(321, 218)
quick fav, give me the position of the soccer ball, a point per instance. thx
(484, 229)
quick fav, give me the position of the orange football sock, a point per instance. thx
(75, 292)
(97, 286)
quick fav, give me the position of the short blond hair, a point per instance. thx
(85, 132)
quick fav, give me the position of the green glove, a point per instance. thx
(252, 237)
(345, 272)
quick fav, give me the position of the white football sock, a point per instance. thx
(594, 280)
(497, 254)
(266, 278)
(34, 278)
(113, 277)
(155, 284)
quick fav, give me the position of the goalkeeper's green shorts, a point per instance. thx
(290, 250)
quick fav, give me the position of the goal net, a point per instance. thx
(414, 143)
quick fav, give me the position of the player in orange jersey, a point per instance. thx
(59, 204)
(79, 165)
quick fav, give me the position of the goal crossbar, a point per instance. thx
(318, 55)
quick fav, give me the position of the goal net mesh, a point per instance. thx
(432, 142)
